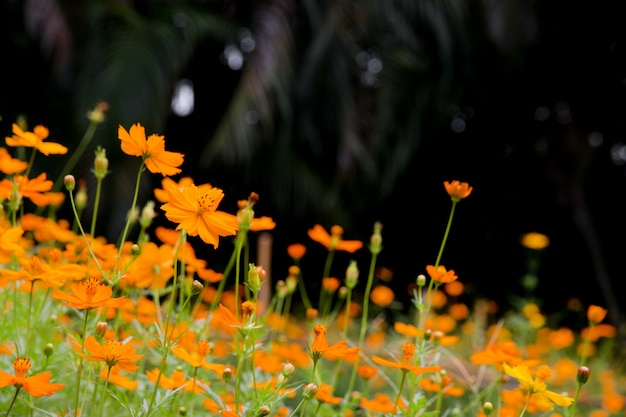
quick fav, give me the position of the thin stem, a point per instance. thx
(129, 219)
(395, 404)
(17, 390)
(526, 404)
(96, 205)
(445, 236)
(80, 363)
(572, 410)
(104, 393)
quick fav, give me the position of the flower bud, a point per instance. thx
(48, 349)
(196, 287)
(97, 114)
(583, 375)
(100, 163)
(376, 240)
(254, 277)
(263, 411)
(288, 369)
(352, 275)
(101, 328)
(81, 196)
(147, 214)
(487, 408)
(70, 182)
(309, 391)
(227, 374)
(421, 280)
(182, 411)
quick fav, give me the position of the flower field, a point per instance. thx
(145, 327)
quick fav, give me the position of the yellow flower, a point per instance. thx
(196, 212)
(35, 139)
(151, 150)
(537, 385)
(535, 241)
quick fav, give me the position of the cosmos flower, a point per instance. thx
(36, 385)
(457, 190)
(151, 150)
(333, 240)
(536, 386)
(35, 139)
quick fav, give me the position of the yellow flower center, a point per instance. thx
(35, 265)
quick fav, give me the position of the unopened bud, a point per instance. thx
(196, 287)
(147, 214)
(309, 391)
(70, 182)
(376, 241)
(227, 374)
(487, 408)
(263, 411)
(421, 280)
(81, 196)
(100, 163)
(101, 328)
(48, 349)
(182, 411)
(583, 375)
(352, 275)
(288, 369)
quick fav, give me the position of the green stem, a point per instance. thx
(80, 363)
(445, 236)
(104, 392)
(395, 404)
(17, 390)
(129, 217)
(526, 405)
(572, 410)
(76, 155)
(96, 205)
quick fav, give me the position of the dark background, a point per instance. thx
(538, 88)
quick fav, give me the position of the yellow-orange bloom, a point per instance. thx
(536, 386)
(196, 212)
(296, 251)
(320, 347)
(10, 165)
(34, 189)
(35, 139)
(440, 274)
(112, 353)
(381, 403)
(457, 190)
(324, 394)
(36, 385)
(151, 150)
(333, 240)
(382, 295)
(595, 314)
(90, 293)
(535, 241)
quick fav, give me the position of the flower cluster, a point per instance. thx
(146, 326)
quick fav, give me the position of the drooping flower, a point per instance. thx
(457, 190)
(196, 212)
(440, 274)
(151, 150)
(35, 139)
(90, 293)
(536, 386)
(36, 385)
(112, 353)
(333, 240)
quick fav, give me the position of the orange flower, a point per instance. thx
(112, 353)
(535, 241)
(152, 150)
(33, 189)
(153, 267)
(90, 293)
(408, 350)
(117, 378)
(296, 251)
(320, 347)
(36, 385)
(195, 355)
(10, 238)
(330, 284)
(382, 295)
(497, 353)
(446, 386)
(176, 381)
(333, 240)
(440, 274)
(457, 190)
(324, 394)
(366, 372)
(10, 165)
(35, 139)
(196, 213)
(595, 314)
(381, 403)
